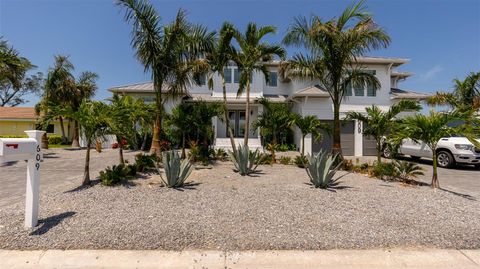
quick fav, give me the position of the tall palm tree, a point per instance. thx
(217, 60)
(465, 96)
(430, 129)
(333, 48)
(60, 86)
(377, 123)
(85, 88)
(252, 57)
(309, 125)
(170, 52)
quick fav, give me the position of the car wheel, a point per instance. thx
(386, 152)
(445, 159)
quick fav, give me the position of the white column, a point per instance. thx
(358, 137)
(308, 144)
(33, 182)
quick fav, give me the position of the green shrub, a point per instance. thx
(407, 170)
(321, 169)
(301, 161)
(286, 160)
(54, 139)
(13, 136)
(348, 165)
(287, 147)
(176, 169)
(384, 171)
(144, 161)
(265, 158)
(114, 175)
(220, 154)
(244, 160)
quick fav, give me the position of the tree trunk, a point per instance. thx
(227, 119)
(247, 115)
(44, 141)
(184, 155)
(68, 129)
(303, 145)
(435, 183)
(120, 150)
(337, 147)
(157, 128)
(62, 128)
(75, 142)
(273, 146)
(144, 142)
(86, 173)
(379, 150)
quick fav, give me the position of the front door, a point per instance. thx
(237, 122)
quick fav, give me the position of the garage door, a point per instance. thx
(369, 144)
(346, 137)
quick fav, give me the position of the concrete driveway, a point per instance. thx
(462, 180)
(61, 169)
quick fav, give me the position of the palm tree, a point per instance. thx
(170, 52)
(465, 96)
(309, 125)
(252, 57)
(274, 120)
(429, 129)
(333, 48)
(217, 60)
(85, 88)
(377, 123)
(59, 86)
(180, 122)
(124, 113)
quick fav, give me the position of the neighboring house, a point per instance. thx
(15, 120)
(308, 99)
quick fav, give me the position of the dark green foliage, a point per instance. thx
(116, 174)
(275, 121)
(144, 161)
(220, 154)
(244, 160)
(265, 158)
(407, 170)
(384, 171)
(285, 160)
(287, 147)
(301, 161)
(54, 139)
(321, 169)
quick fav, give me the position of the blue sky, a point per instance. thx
(442, 38)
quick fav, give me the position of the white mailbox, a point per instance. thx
(18, 149)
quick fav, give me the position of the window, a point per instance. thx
(236, 75)
(370, 90)
(359, 90)
(273, 79)
(348, 90)
(148, 99)
(227, 73)
(201, 80)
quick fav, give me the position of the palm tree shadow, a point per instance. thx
(50, 222)
(463, 195)
(333, 187)
(5, 164)
(84, 187)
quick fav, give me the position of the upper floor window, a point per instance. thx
(227, 74)
(201, 80)
(348, 90)
(359, 90)
(273, 79)
(236, 75)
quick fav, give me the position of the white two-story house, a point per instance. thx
(307, 98)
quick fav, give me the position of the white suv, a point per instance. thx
(450, 151)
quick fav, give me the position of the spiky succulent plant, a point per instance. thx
(176, 171)
(244, 160)
(321, 169)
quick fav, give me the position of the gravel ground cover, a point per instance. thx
(275, 209)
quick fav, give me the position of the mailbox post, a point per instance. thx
(17, 149)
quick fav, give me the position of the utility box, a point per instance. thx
(17, 149)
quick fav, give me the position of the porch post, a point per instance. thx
(358, 137)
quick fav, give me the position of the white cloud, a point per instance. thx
(432, 72)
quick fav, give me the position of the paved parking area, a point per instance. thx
(61, 168)
(461, 180)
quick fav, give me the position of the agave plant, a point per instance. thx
(321, 168)
(244, 160)
(176, 170)
(407, 170)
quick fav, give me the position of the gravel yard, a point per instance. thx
(222, 210)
